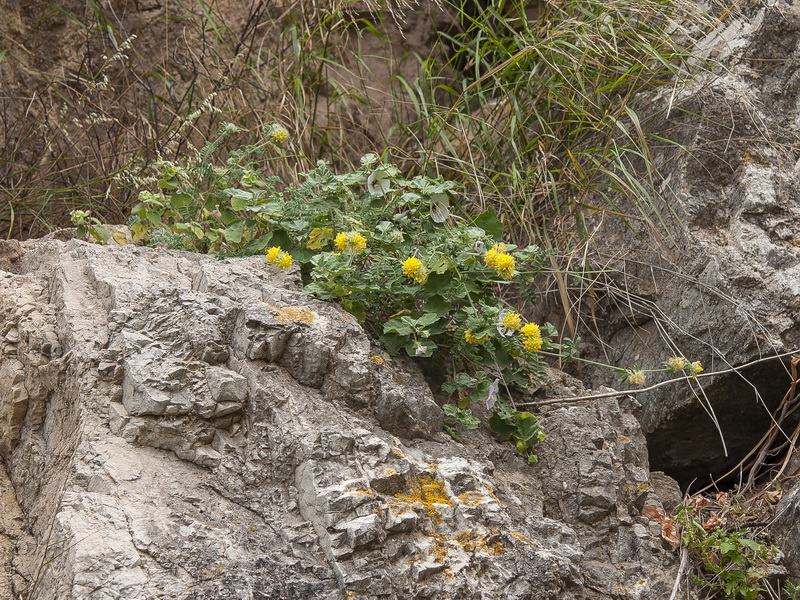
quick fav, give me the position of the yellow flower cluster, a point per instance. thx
(498, 259)
(352, 241)
(471, 338)
(279, 135)
(414, 269)
(531, 337)
(276, 256)
(676, 364)
(695, 368)
(510, 322)
(636, 377)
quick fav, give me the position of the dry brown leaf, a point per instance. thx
(723, 499)
(653, 513)
(712, 522)
(670, 533)
(700, 502)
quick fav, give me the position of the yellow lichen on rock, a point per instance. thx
(427, 491)
(474, 498)
(522, 538)
(473, 542)
(288, 314)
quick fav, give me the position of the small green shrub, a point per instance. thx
(387, 248)
(732, 562)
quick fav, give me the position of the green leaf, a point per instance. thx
(155, 219)
(527, 428)
(392, 342)
(441, 265)
(239, 198)
(233, 233)
(228, 216)
(168, 184)
(438, 305)
(463, 415)
(398, 326)
(238, 203)
(452, 432)
(180, 200)
(501, 427)
(489, 222)
(438, 283)
(427, 319)
(99, 233)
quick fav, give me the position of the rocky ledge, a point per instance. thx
(177, 426)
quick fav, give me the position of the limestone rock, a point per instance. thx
(178, 426)
(715, 275)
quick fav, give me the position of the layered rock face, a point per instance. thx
(178, 426)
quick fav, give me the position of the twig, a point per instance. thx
(652, 387)
(676, 588)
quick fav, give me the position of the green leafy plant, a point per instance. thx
(792, 590)
(86, 223)
(518, 427)
(389, 249)
(732, 562)
(457, 416)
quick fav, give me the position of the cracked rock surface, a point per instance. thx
(176, 426)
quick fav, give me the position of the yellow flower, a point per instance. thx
(675, 364)
(695, 368)
(352, 240)
(490, 258)
(272, 254)
(498, 259)
(276, 256)
(414, 269)
(279, 135)
(509, 323)
(636, 377)
(504, 265)
(285, 260)
(531, 337)
(471, 338)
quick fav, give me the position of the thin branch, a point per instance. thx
(654, 386)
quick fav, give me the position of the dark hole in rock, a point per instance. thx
(683, 440)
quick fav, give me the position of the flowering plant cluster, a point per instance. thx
(675, 365)
(391, 250)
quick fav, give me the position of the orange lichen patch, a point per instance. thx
(439, 548)
(472, 542)
(362, 493)
(427, 491)
(522, 538)
(376, 360)
(490, 490)
(397, 452)
(389, 471)
(289, 314)
(474, 498)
